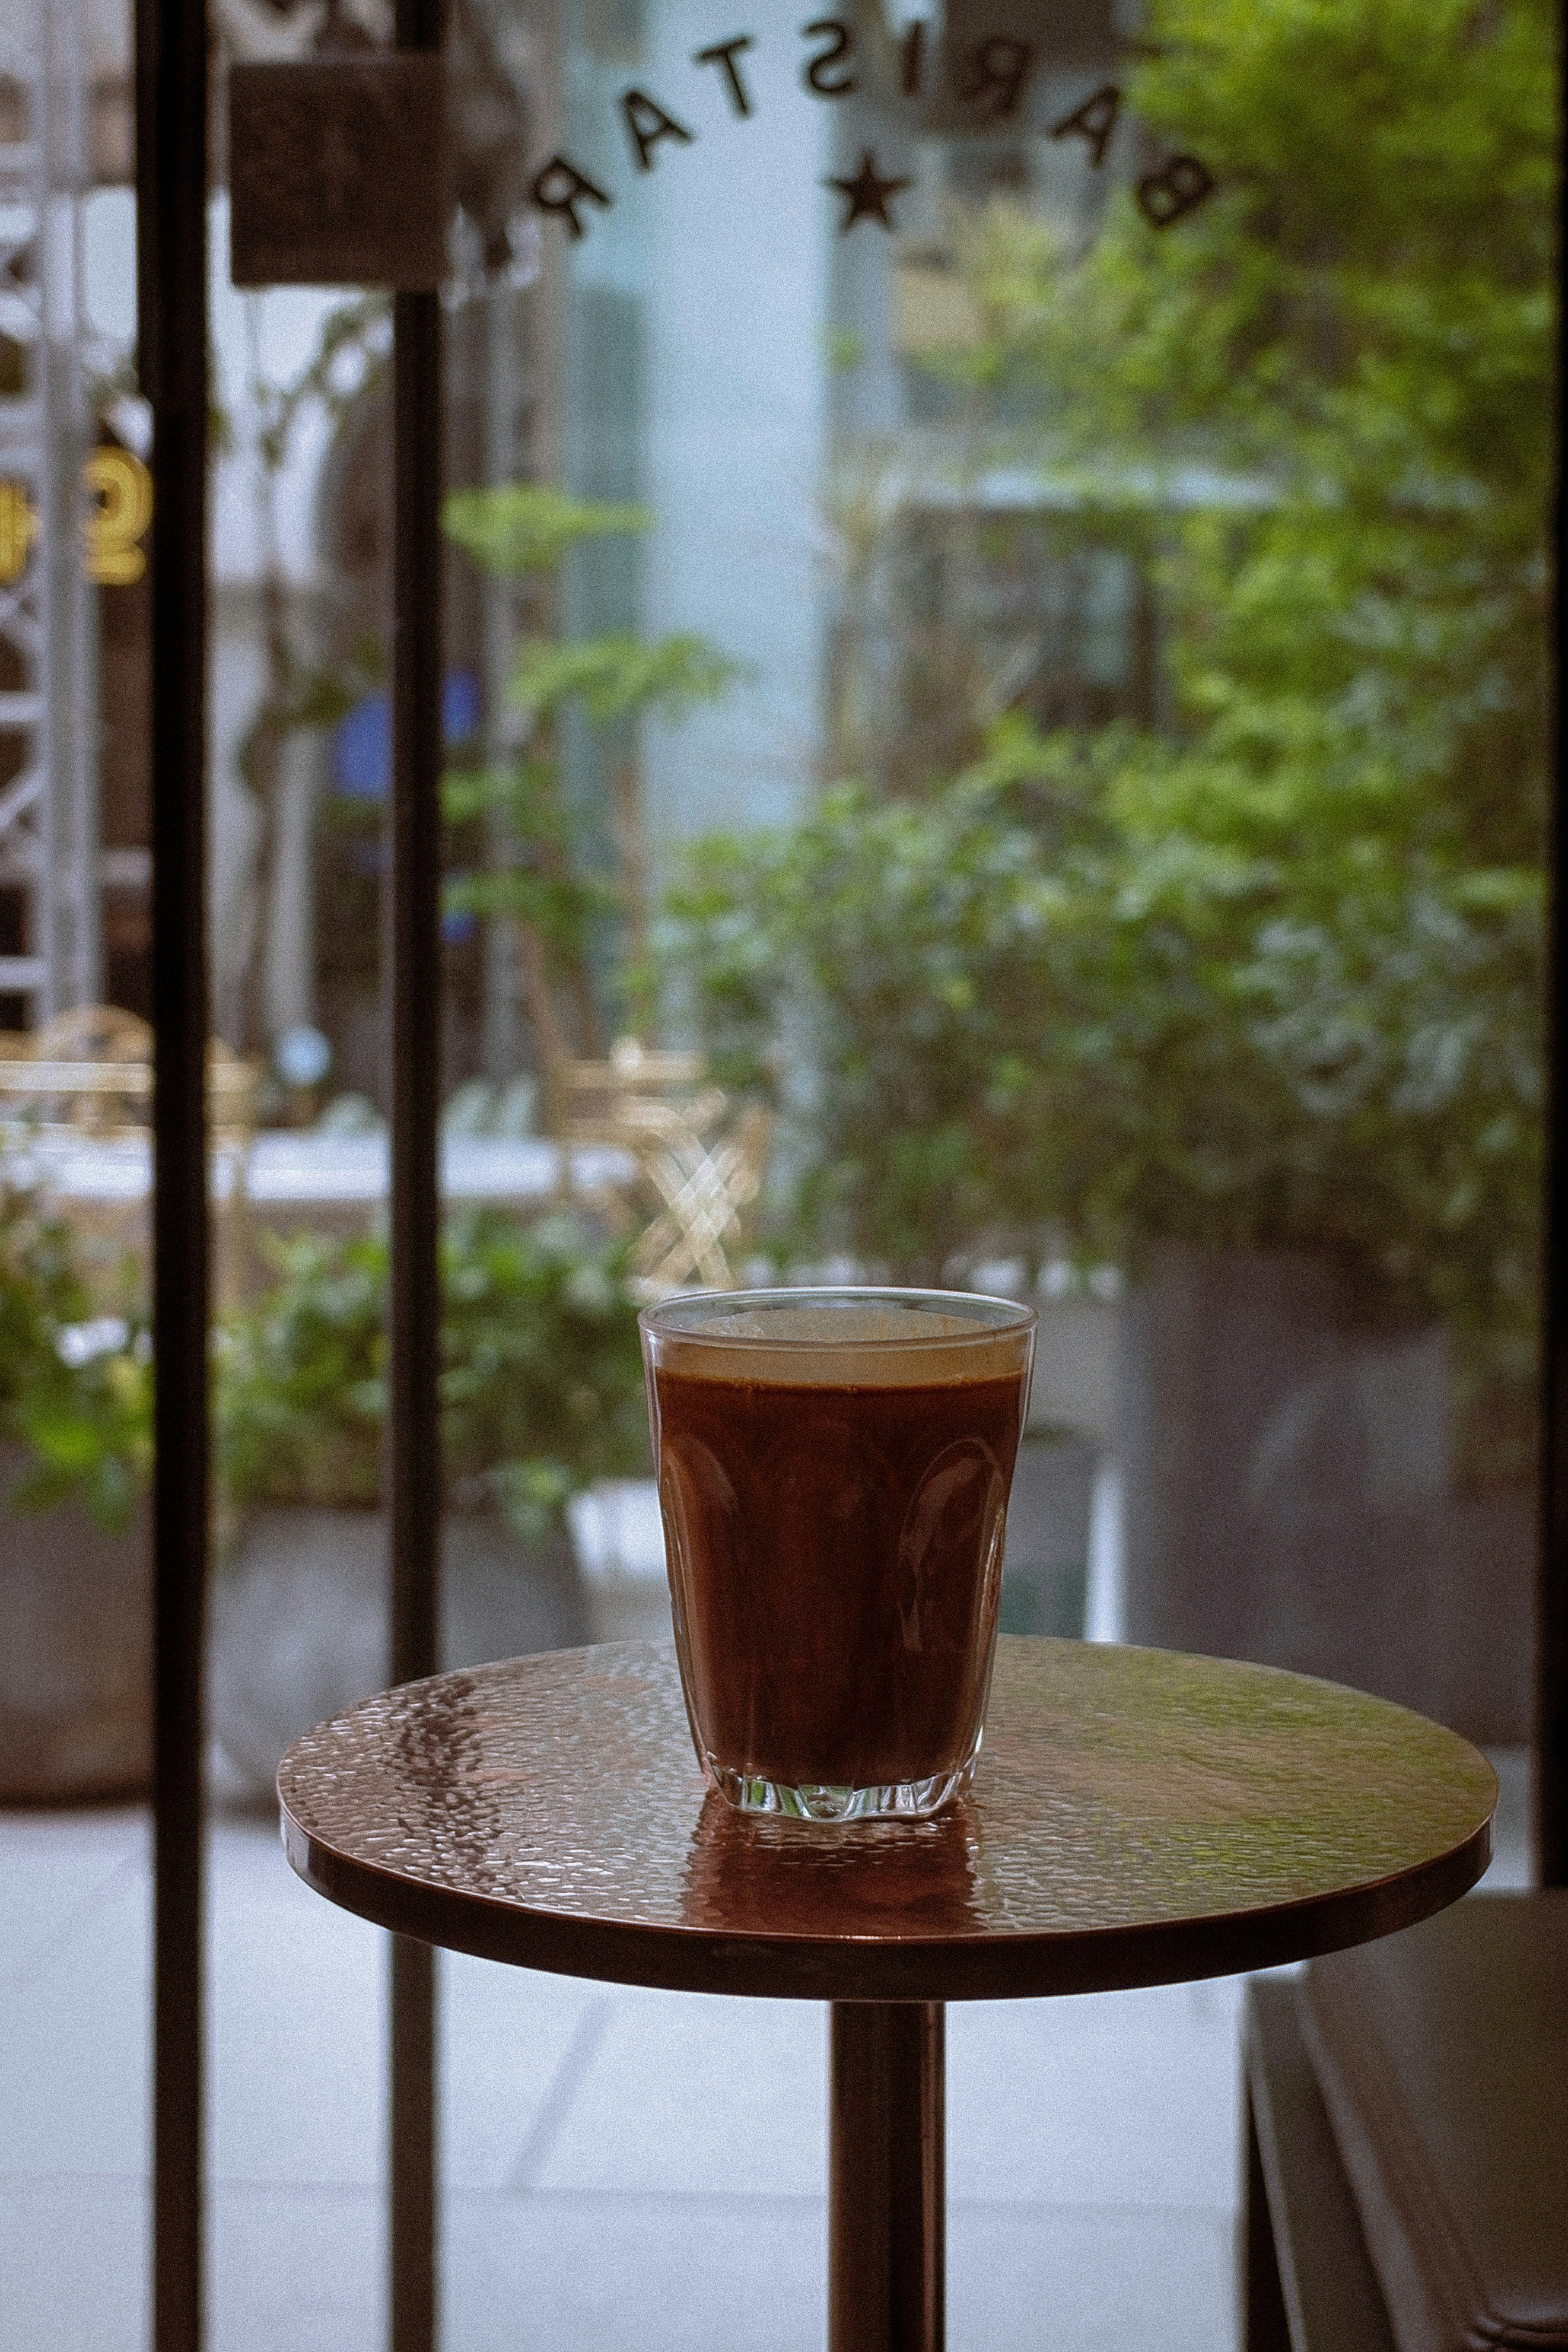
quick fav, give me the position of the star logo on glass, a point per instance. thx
(867, 193)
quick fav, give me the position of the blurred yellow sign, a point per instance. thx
(18, 524)
(123, 488)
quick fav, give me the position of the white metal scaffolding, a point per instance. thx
(48, 699)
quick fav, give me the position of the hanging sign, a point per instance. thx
(338, 172)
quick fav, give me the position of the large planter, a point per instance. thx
(76, 1650)
(1045, 1570)
(619, 1537)
(1290, 1499)
(299, 1618)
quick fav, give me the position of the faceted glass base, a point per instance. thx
(891, 1801)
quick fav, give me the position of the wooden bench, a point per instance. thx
(1308, 2281)
(1407, 2147)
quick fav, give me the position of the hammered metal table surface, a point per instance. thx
(1137, 1817)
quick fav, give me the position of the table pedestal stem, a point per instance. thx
(886, 2177)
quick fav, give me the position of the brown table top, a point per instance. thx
(1138, 1817)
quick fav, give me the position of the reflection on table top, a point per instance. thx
(1138, 1817)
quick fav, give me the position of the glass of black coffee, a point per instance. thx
(834, 1467)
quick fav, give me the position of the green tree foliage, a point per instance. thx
(346, 357)
(615, 677)
(518, 528)
(1273, 976)
(538, 868)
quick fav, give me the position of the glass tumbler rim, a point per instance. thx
(1009, 1315)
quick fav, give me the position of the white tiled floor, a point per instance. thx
(622, 2168)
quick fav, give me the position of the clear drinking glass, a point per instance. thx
(834, 1467)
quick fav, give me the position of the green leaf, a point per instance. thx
(523, 527)
(615, 676)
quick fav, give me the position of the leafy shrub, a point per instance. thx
(1056, 1007)
(75, 1387)
(541, 1383)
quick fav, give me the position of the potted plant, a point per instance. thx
(75, 1459)
(541, 1394)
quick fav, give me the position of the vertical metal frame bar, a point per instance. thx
(413, 958)
(66, 914)
(71, 896)
(172, 292)
(1551, 1617)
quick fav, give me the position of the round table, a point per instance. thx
(1138, 1817)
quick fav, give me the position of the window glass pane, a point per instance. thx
(1061, 735)
(1095, 466)
(994, 696)
(300, 746)
(75, 1184)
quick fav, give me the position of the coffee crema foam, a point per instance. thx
(844, 1347)
(838, 1325)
